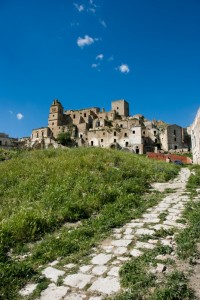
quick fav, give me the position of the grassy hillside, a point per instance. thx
(40, 191)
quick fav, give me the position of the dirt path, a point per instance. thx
(100, 277)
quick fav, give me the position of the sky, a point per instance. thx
(87, 53)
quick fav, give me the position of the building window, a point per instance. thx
(125, 134)
(85, 115)
(121, 125)
(174, 139)
(53, 123)
(101, 140)
(37, 134)
(117, 107)
(92, 143)
(104, 133)
(81, 136)
(154, 132)
(126, 144)
(175, 147)
(74, 116)
(114, 133)
(133, 131)
(115, 140)
(143, 132)
(0, 143)
(53, 115)
(174, 132)
(42, 133)
(155, 140)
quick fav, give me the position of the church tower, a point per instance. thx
(56, 117)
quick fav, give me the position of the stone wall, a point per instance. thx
(195, 138)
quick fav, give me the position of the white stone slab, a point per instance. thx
(144, 231)
(114, 271)
(136, 252)
(54, 292)
(121, 243)
(75, 296)
(144, 245)
(78, 280)
(136, 224)
(152, 220)
(85, 268)
(101, 259)
(52, 273)
(70, 266)
(128, 237)
(161, 226)
(128, 230)
(28, 289)
(120, 250)
(99, 270)
(108, 285)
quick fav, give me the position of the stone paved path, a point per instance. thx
(100, 277)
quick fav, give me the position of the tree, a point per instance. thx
(64, 138)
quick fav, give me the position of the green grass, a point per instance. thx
(188, 238)
(42, 190)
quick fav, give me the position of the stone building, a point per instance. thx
(195, 138)
(7, 142)
(115, 129)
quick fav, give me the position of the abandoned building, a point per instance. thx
(112, 129)
(7, 142)
(195, 138)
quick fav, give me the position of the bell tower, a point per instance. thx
(55, 115)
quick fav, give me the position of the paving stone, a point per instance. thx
(128, 237)
(144, 231)
(116, 262)
(53, 263)
(75, 296)
(121, 243)
(153, 220)
(123, 258)
(70, 266)
(144, 245)
(78, 280)
(149, 216)
(52, 273)
(117, 235)
(117, 230)
(120, 250)
(95, 298)
(85, 268)
(166, 242)
(163, 257)
(136, 252)
(152, 241)
(99, 270)
(128, 231)
(136, 224)
(107, 247)
(54, 292)
(101, 259)
(107, 285)
(114, 271)
(28, 289)
(161, 226)
(174, 224)
(160, 268)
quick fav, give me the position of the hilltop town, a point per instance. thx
(111, 129)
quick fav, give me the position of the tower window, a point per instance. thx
(85, 115)
(174, 132)
(125, 134)
(101, 140)
(115, 140)
(133, 131)
(174, 139)
(114, 133)
(74, 116)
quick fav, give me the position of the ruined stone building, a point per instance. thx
(195, 138)
(112, 129)
(7, 142)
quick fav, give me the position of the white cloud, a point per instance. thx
(79, 7)
(19, 116)
(86, 41)
(94, 65)
(103, 23)
(124, 68)
(100, 57)
(93, 10)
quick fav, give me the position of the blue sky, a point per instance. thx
(90, 52)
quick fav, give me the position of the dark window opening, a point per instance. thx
(143, 132)
(121, 125)
(175, 147)
(174, 132)
(101, 140)
(81, 136)
(104, 133)
(126, 144)
(42, 133)
(115, 140)
(125, 134)
(114, 133)
(92, 143)
(53, 123)
(0, 142)
(156, 140)
(154, 132)
(133, 131)
(137, 151)
(74, 116)
(37, 135)
(174, 139)
(117, 107)
(84, 114)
